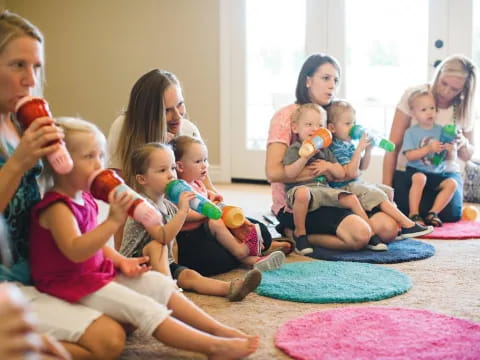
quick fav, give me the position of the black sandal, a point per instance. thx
(433, 219)
(416, 218)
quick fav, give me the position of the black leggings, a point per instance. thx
(199, 250)
(451, 213)
(324, 220)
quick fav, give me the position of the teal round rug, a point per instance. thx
(333, 282)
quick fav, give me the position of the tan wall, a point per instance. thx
(96, 50)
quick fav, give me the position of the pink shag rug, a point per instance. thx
(462, 229)
(379, 333)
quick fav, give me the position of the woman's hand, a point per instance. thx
(461, 140)
(53, 350)
(18, 340)
(34, 142)
(319, 167)
(133, 267)
(170, 136)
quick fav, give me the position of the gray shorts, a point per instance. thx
(369, 195)
(321, 195)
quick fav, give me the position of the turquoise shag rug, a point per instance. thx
(333, 282)
(398, 251)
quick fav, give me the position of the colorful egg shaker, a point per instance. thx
(104, 181)
(448, 134)
(321, 138)
(30, 108)
(200, 204)
(357, 131)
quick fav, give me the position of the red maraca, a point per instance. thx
(30, 108)
(104, 181)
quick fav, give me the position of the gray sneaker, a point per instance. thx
(271, 262)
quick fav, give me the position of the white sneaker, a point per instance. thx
(271, 262)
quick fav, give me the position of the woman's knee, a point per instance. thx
(354, 231)
(104, 338)
(384, 226)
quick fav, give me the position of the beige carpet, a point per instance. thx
(448, 283)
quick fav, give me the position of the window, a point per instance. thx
(384, 56)
(275, 37)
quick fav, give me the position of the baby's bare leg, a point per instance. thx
(224, 236)
(300, 209)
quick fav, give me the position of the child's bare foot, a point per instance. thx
(229, 332)
(230, 349)
(239, 288)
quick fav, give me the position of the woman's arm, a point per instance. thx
(401, 122)
(274, 168)
(29, 150)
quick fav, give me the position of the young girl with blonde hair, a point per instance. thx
(73, 262)
(154, 167)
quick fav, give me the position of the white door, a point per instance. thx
(383, 46)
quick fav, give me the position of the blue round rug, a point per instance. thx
(333, 282)
(398, 251)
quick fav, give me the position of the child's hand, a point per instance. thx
(364, 142)
(435, 146)
(119, 205)
(133, 267)
(217, 198)
(184, 200)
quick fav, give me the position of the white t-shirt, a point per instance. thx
(114, 161)
(444, 117)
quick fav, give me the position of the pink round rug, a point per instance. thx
(379, 333)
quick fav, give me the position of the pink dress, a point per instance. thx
(52, 272)
(280, 132)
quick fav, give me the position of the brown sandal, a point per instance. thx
(433, 219)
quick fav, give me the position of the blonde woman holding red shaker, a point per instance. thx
(85, 333)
